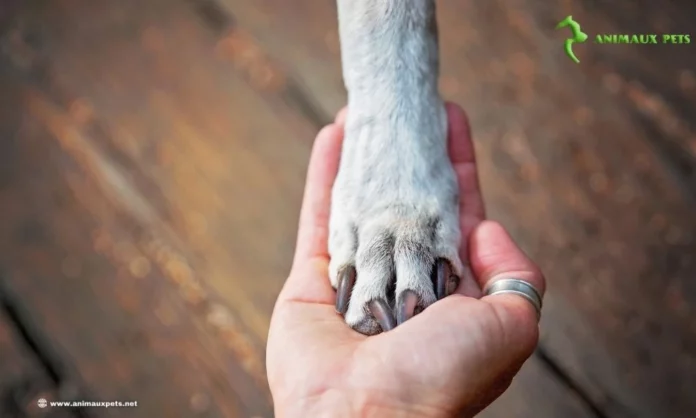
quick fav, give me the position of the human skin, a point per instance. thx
(453, 359)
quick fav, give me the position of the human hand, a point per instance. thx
(454, 358)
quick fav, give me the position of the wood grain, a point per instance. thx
(94, 260)
(23, 380)
(591, 166)
(178, 177)
(155, 162)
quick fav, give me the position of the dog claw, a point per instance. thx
(445, 281)
(380, 310)
(346, 282)
(406, 306)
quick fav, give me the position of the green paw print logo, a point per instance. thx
(578, 36)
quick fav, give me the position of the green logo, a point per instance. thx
(578, 36)
(618, 38)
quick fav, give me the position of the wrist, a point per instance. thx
(336, 404)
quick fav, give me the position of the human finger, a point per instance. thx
(471, 206)
(462, 154)
(312, 236)
(494, 256)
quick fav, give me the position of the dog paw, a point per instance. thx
(394, 227)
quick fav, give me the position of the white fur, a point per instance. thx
(395, 202)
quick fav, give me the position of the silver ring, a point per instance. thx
(517, 287)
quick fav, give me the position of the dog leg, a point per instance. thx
(394, 226)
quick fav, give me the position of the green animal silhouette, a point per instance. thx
(578, 36)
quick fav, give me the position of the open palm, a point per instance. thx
(454, 358)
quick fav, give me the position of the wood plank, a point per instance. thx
(24, 376)
(534, 393)
(15, 359)
(599, 193)
(592, 174)
(130, 334)
(313, 61)
(119, 299)
(186, 137)
(23, 380)
(137, 121)
(240, 49)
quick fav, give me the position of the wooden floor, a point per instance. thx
(152, 160)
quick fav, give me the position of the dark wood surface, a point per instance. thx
(23, 379)
(153, 159)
